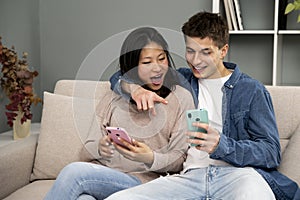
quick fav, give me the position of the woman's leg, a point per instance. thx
(86, 178)
(86, 197)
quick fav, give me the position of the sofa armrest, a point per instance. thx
(16, 163)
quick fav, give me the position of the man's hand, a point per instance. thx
(207, 142)
(137, 151)
(145, 99)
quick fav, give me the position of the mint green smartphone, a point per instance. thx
(196, 115)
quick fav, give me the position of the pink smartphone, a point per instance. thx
(115, 132)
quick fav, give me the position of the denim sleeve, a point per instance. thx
(252, 138)
(115, 84)
(114, 81)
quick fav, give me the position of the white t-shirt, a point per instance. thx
(210, 98)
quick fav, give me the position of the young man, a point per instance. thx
(238, 156)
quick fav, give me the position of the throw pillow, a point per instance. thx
(66, 122)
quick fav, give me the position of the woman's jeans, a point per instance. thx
(227, 183)
(82, 180)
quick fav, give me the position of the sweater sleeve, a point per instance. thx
(97, 131)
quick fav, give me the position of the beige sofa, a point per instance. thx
(29, 166)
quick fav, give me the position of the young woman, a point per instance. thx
(159, 144)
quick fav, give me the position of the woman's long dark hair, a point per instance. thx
(130, 55)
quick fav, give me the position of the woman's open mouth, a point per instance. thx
(157, 80)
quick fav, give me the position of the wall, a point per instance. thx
(19, 27)
(60, 34)
(71, 29)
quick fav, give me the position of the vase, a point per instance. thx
(21, 130)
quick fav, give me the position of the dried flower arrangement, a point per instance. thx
(16, 81)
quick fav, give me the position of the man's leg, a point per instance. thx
(91, 179)
(190, 185)
(214, 183)
(237, 183)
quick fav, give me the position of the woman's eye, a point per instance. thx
(146, 63)
(162, 58)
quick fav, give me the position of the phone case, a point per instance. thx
(115, 132)
(196, 115)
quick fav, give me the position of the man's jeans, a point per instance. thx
(82, 180)
(227, 183)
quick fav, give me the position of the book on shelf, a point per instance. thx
(216, 6)
(281, 16)
(232, 15)
(238, 13)
(227, 13)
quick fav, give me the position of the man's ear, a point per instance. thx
(224, 51)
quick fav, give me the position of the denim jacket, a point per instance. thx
(250, 135)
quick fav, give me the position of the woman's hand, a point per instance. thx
(137, 151)
(105, 148)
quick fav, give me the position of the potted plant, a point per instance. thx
(293, 7)
(16, 81)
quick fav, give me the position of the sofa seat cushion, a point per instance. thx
(34, 190)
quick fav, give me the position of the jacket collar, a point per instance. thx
(235, 76)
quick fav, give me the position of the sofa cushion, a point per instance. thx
(290, 165)
(65, 123)
(285, 101)
(16, 160)
(287, 107)
(82, 88)
(35, 190)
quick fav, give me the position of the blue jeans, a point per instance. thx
(87, 181)
(227, 183)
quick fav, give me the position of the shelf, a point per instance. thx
(253, 32)
(286, 32)
(263, 50)
(253, 54)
